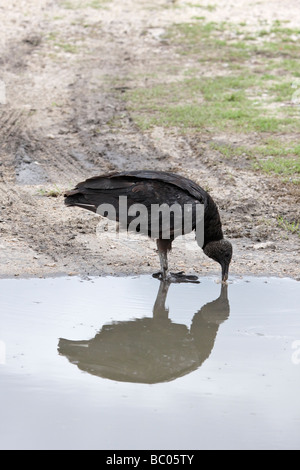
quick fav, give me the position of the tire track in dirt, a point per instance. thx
(66, 120)
(30, 158)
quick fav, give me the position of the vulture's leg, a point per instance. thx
(160, 311)
(164, 246)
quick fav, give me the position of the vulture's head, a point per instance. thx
(220, 251)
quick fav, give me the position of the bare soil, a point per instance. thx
(64, 119)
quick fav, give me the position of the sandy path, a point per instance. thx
(60, 123)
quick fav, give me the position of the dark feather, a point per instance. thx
(147, 187)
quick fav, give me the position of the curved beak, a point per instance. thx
(225, 271)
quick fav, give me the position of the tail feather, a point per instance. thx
(90, 194)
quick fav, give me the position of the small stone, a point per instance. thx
(265, 246)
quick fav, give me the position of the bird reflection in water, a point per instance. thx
(150, 350)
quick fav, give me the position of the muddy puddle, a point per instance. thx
(130, 363)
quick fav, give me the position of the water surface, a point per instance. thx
(131, 363)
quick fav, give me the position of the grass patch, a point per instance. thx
(223, 42)
(291, 227)
(230, 151)
(243, 101)
(77, 4)
(64, 46)
(67, 47)
(275, 148)
(273, 157)
(218, 103)
(97, 4)
(206, 40)
(283, 166)
(53, 192)
(210, 7)
(238, 81)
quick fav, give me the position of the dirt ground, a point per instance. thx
(61, 63)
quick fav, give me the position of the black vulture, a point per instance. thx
(147, 193)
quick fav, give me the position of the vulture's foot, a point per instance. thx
(181, 277)
(158, 275)
(176, 277)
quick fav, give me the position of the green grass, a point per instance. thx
(274, 157)
(53, 192)
(97, 4)
(229, 151)
(67, 47)
(283, 166)
(274, 147)
(58, 42)
(211, 103)
(210, 7)
(227, 101)
(219, 42)
(291, 227)
(79, 4)
(238, 81)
